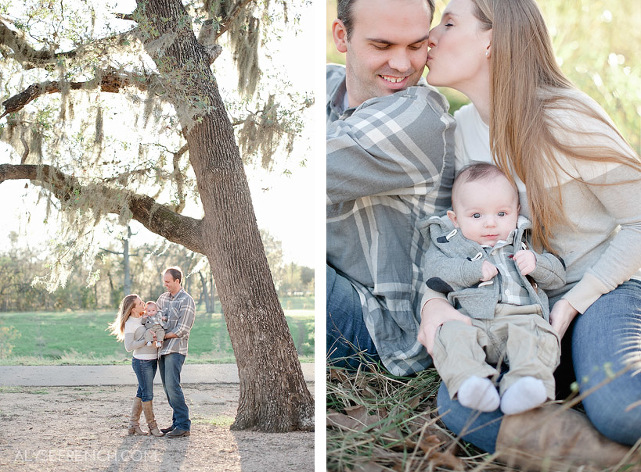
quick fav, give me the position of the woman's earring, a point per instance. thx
(487, 53)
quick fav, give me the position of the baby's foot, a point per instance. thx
(524, 394)
(479, 394)
(158, 344)
(148, 343)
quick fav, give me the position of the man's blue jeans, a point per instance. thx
(346, 332)
(605, 348)
(145, 372)
(170, 366)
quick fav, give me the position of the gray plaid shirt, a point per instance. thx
(390, 162)
(512, 291)
(180, 309)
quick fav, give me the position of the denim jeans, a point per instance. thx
(145, 372)
(170, 366)
(606, 347)
(346, 332)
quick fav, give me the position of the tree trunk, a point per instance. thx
(273, 393)
(205, 293)
(126, 267)
(212, 291)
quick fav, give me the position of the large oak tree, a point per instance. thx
(64, 145)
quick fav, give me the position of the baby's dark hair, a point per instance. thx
(479, 171)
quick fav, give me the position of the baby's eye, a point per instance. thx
(502, 213)
(476, 215)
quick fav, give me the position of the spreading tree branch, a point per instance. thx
(157, 218)
(226, 22)
(110, 81)
(23, 52)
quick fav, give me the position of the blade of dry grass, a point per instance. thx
(379, 422)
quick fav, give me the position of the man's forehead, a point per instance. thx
(392, 21)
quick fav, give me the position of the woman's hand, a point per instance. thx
(433, 314)
(561, 316)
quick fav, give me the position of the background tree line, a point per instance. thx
(25, 270)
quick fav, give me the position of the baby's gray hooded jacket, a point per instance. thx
(453, 267)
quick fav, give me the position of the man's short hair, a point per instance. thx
(176, 273)
(345, 13)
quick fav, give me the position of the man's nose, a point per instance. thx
(400, 60)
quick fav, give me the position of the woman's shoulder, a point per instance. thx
(132, 324)
(469, 123)
(578, 108)
(467, 114)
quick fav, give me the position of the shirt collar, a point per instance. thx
(502, 242)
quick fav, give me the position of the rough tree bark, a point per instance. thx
(273, 394)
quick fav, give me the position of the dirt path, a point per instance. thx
(85, 429)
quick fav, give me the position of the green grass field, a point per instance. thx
(81, 338)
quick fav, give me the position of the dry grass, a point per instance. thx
(377, 422)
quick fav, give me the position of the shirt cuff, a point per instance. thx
(431, 295)
(586, 292)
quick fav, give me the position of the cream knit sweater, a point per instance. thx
(601, 244)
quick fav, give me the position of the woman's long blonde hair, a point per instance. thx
(526, 85)
(127, 304)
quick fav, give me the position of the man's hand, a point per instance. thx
(561, 316)
(170, 335)
(489, 271)
(525, 261)
(433, 314)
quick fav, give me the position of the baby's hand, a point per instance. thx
(489, 270)
(525, 261)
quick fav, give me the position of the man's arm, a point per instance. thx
(435, 313)
(395, 144)
(185, 319)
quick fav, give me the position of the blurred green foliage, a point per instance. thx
(596, 43)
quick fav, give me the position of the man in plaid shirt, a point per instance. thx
(181, 309)
(390, 163)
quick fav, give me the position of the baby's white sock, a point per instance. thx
(525, 394)
(479, 394)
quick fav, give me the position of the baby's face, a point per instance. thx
(486, 211)
(151, 309)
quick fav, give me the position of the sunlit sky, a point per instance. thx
(286, 209)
